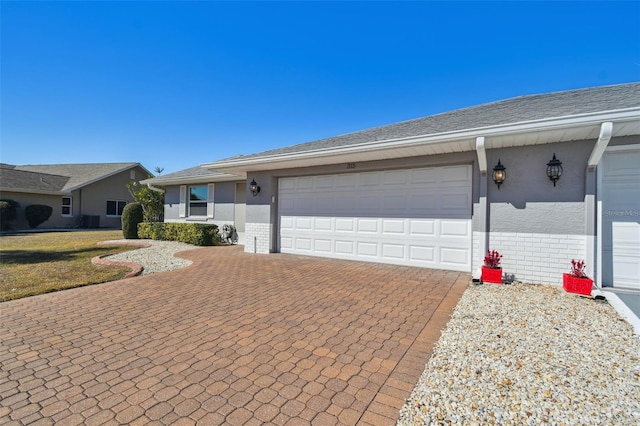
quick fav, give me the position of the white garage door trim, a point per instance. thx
(415, 217)
(619, 219)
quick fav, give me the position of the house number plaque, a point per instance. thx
(351, 165)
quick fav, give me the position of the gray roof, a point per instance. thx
(195, 174)
(12, 179)
(58, 177)
(514, 110)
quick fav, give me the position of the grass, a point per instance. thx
(37, 263)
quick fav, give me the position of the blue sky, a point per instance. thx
(176, 84)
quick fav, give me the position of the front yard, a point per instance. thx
(37, 263)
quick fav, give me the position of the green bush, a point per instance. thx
(37, 213)
(131, 217)
(192, 233)
(8, 213)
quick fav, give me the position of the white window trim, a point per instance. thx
(70, 206)
(210, 204)
(183, 208)
(183, 201)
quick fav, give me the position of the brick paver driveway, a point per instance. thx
(233, 339)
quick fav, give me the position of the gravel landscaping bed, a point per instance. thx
(529, 354)
(159, 257)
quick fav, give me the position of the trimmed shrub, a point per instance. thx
(131, 216)
(151, 230)
(8, 213)
(192, 233)
(37, 213)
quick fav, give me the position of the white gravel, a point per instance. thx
(157, 258)
(529, 354)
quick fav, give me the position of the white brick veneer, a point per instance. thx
(534, 258)
(257, 238)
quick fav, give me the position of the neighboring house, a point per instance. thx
(421, 192)
(81, 195)
(198, 195)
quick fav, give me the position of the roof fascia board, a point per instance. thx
(108, 175)
(500, 130)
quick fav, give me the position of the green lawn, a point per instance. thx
(37, 263)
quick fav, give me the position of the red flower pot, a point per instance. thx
(491, 275)
(573, 284)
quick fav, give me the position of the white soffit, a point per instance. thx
(562, 129)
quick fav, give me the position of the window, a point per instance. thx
(114, 208)
(67, 206)
(198, 200)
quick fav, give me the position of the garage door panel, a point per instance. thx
(393, 226)
(323, 224)
(322, 246)
(345, 247)
(423, 228)
(419, 253)
(396, 177)
(396, 216)
(345, 225)
(369, 249)
(452, 256)
(393, 251)
(367, 225)
(459, 228)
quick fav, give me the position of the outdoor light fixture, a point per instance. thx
(253, 186)
(499, 174)
(554, 169)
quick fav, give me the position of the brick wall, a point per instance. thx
(257, 238)
(536, 258)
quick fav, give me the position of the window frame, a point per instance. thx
(69, 206)
(199, 201)
(118, 209)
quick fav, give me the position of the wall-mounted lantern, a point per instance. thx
(554, 169)
(254, 188)
(499, 174)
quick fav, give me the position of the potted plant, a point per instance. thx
(491, 270)
(577, 281)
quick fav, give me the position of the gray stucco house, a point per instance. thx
(422, 192)
(81, 195)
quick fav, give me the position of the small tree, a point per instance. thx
(8, 213)
(37, 213)
(131, 216)
(152, 202)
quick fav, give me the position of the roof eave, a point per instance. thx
(34, 191)
(320, 155)
(193, 179)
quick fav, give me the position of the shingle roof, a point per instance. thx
(22, 181)
(57, 177)
(193, 174)
(79, 174)
(514, 110)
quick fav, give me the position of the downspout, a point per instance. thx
(155, 188)
(483, 207)
(606, 131)
(593, 209)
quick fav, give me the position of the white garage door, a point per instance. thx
(621, 219)
(417, 217)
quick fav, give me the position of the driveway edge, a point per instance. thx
(385, 407)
